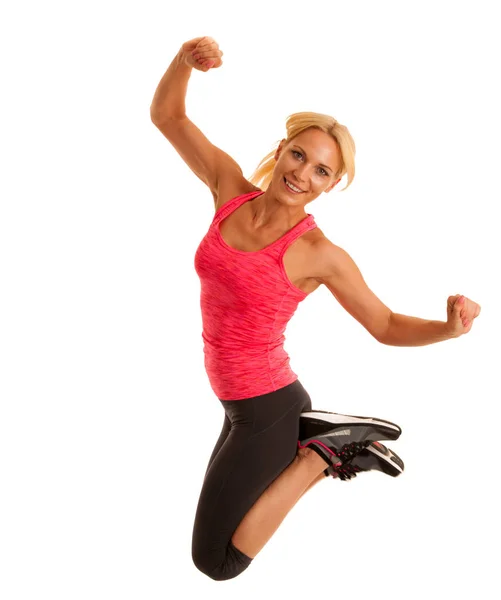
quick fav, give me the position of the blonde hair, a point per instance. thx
(297, 123)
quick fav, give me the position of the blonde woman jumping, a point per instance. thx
(261, 256)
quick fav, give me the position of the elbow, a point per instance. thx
(382, 339)
(154, 113)
(164, 117)
(157, 118)
(382, 334)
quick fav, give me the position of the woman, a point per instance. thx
(262, 255)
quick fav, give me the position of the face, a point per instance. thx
(308, 163)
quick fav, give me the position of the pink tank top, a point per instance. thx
(246, 300)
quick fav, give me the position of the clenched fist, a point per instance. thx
(460, 314)
(202, 53)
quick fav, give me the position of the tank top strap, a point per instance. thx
(233, 204)
(286, 240)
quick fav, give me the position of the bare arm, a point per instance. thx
(339, 273)
(412, 331)
(168, 113)
(169, 99)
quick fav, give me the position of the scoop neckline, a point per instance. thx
(225, 245)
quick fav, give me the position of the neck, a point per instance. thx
(270, 213)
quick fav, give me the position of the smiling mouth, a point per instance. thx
(292, 187)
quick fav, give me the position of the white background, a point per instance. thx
(107, 417)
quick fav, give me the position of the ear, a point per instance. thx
(330, 187)
(279, 150)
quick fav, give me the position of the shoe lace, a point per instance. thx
(349, 451)
(346, 470)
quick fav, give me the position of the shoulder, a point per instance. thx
(324, 258)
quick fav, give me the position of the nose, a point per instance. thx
(300, 173)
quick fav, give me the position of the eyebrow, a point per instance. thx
(320, 164)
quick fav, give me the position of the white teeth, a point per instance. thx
(293, 187)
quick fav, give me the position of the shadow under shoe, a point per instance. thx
(376, 457)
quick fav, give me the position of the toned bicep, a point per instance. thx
(209, 163)
(343, 279)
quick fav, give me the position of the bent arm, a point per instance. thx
(210, 164)
(338, 272)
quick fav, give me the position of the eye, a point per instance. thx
(296, 153)
(324, 172)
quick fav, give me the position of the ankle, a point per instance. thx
(310, 458)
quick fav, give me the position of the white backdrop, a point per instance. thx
(107, 416)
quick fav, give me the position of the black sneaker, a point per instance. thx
(376, 457)
(339, 438)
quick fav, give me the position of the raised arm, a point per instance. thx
(168, 113)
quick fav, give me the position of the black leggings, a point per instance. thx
(258, 441)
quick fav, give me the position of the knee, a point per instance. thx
(232, 565)
(201, 561)
(217, 573)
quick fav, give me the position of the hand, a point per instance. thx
(202, 54)
(460, 314)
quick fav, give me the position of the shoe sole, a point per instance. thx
(390, 430)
